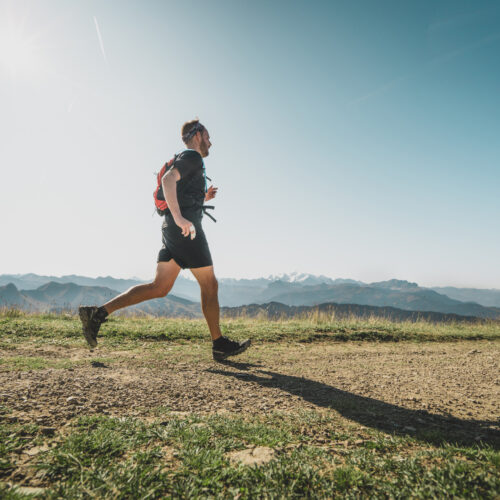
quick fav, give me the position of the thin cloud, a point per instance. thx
(379, 90)
(100, 40)
(472, 46)
(433, 62)
(462, 19)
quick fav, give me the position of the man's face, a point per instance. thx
(205, 143)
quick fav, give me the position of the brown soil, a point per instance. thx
(403, 388)
(257, 455)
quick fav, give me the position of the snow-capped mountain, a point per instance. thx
(308, 279)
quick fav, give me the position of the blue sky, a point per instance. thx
(351, 139)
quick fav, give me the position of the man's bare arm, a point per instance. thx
(169, 185)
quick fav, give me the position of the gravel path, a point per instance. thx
(453, 388)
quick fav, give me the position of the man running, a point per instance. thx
(184, 245)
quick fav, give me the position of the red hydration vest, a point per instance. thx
(160, 202)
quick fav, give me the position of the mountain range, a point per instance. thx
(61, 297)
(49, 293)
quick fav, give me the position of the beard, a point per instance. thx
(204, 149)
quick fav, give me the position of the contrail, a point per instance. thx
(100, 40)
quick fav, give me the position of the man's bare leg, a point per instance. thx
(92, 316)
(222, 347)
(209, 298)
(166, 274)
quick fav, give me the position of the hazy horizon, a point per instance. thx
(188, 275)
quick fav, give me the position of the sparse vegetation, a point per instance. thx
(151, 416)
(314, 328)
(188, 457)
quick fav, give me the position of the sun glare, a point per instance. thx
(19, 55)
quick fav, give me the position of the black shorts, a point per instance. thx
(187, 253)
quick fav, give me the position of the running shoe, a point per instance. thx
(92, 320)
(225, 347)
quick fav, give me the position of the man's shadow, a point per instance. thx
(386, 417)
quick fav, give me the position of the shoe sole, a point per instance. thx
(91, 341)
(219, 355)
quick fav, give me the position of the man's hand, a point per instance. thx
(186, 226)
(211, 192)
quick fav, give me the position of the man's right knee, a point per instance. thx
(160, 289)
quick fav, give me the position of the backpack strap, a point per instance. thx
(208, 207)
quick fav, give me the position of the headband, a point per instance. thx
(189, 135)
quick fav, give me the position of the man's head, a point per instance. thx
(196, 136)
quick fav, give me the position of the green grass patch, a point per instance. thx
(25, 363)
(127, 332)
(189, 457)
(13, 439)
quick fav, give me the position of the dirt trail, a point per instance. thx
(403, 387)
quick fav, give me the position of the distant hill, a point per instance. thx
(183, 287)
(57, 297)
(171, 306)
(488, 298)
(33, 281)
(275, 310)
(236, 292)
(11, 297)
(69, 295)
(401, 295)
